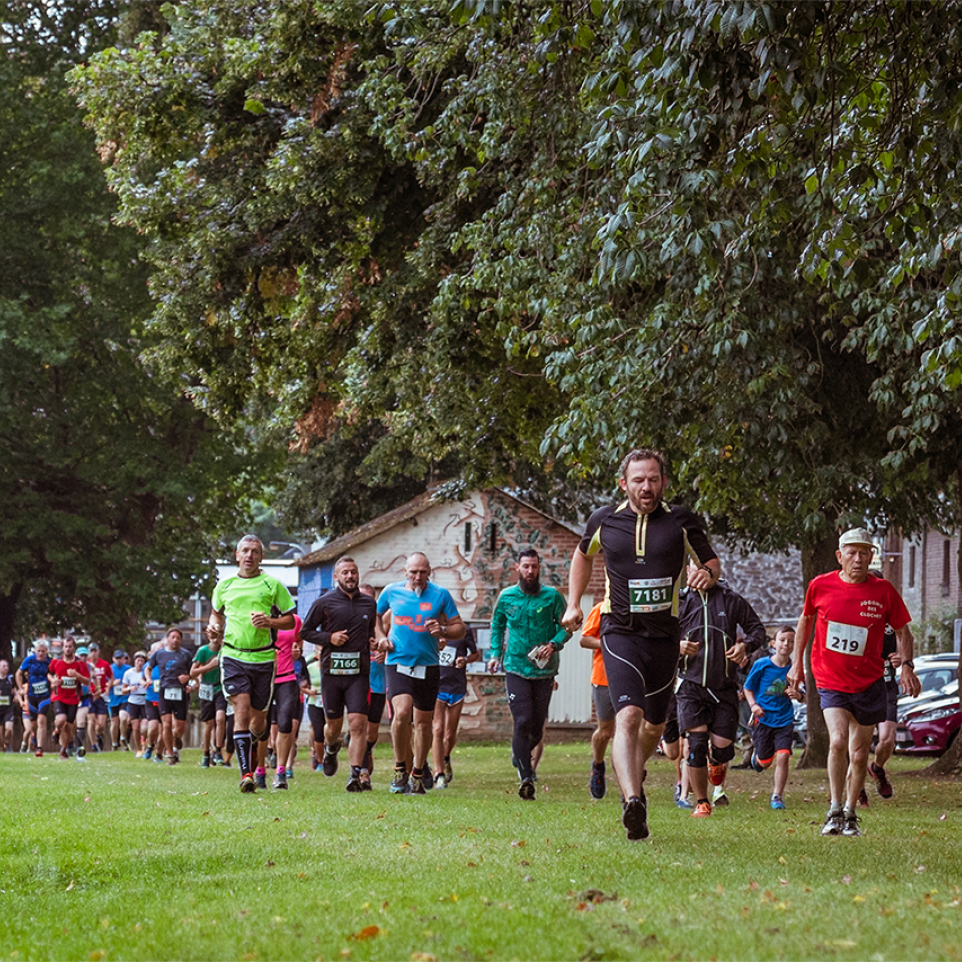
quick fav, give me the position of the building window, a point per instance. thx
(467, 537)
(493, 537)
(946, 567)
(912, 566)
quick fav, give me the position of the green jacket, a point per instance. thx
(530, 621)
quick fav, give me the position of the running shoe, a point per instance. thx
(716, 774)
(248, 784)
(448, 771)
(354, 784)
(81, 751)
(756, 764)
(428, 777)
(38, 753)
(596, 784)
(170, 759)
(63, 753)
(261, 779)
(271, 758)
(280, 780)
(526, 790)
(777, 803)
(440, 782)
(850, 824)
(634, 817)
(702, 810)
(399, 782)
(158, 759)
(366, 785)
(719, 798)
(205, 761)
(139, 755)
(148, 753)
(684, 802)
(863, 799)
(79, 758)
(217, 758)
(290, 773)
(882, 784)
(329, 765)
(834, 823)
(115, 746)
(417, 785)
(123, 744)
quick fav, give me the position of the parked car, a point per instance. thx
(932, 726)
(935, 672)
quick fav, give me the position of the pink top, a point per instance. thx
(285, 641)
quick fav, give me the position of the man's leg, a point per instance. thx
(698, 762)
(626, 751)
(403, 717)
(423, 730)
(441, 709)
(859, 748)
(837, 721)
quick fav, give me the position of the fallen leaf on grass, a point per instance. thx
(97, 956)
(596, 895)
(518, 843)
(269, 863)
(919, 869)
(858, 898)
(846, 880)
(423, 957)
(584, 907)
(368, 932)
(943, 816)
(69, 887)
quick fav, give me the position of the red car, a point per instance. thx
(933, 726)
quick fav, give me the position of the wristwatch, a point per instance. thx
(909, 664)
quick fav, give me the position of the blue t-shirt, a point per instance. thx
(153, 689)
(36, 672)
(377, 679)
(116, 696)
(767, 682)
(413, 643)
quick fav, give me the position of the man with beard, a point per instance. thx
(341, 623)
(645, 545)
(415, 620)
(531, 615)
(174, 664)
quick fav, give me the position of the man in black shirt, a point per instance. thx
(645, 545)
(341, 622)
(173, 698)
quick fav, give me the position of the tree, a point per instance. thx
(112, 481)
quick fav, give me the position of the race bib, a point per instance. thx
(40, 687)
(118, 682)
(230, 708)
(4, 700)
(414, 671)
(156, 684)
(68, 682)
(206, 692)
(315, 701)
(448, 656)
(649, 594)
(846, 639)
(173, 694)
(345, 663)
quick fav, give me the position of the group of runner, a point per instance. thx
(410, 646)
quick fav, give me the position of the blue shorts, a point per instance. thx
(769, 742)
(868, 707)
(450, 699)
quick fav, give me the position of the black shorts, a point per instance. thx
(6, 714)
(68, 712)
(768, 741)
(375, 708)
(136, 711)
(176, 706)
(98, 707)
(152, 711)
(717, 710)
(891, 701)
(286, 705)
(601, 696)
(315, 714)
(253, 678)
(345, 691)
(671, 733)
(424, 691)
(210, 707)
(115, 710)
(641, 671)
(867, 707)
(37, 707)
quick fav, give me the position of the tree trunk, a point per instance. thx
(817, 558)
(951, 761)
(8, 619)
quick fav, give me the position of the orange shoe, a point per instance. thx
(716, 774)
(702, 810)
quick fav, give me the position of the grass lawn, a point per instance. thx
(122, 859)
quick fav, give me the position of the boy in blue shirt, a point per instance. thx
(766, 691)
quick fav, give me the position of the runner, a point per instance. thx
(530, 614)
(34, 683)
(117, 702)
(247, 609)
(155, 744)
(84, 710)
(423, 619)
(645, 543)
(849, 610)
(315, 708)
(9, 700)
(100, 674)
(342, 622)
(885, 747)
(447, 709)
(135, 688)
(174, 664)
(376, 702)
(287, 700)
(600, 697)
(213, 704)
(707, 697)
(66, 675)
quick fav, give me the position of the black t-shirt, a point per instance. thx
(645, 558)
(334, 611)
(172, 665)
(7, 686)
(454, 681)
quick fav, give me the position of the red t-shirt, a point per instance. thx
(849, 627)
(100, 669)
(592, 628)
(68, 691)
